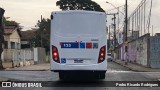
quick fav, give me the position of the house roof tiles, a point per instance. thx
(9, 29)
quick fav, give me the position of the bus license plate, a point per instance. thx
(78, 61)
(69, 45)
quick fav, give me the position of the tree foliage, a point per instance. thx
(8, 22)
(3, 22)
(79, 5)
(2, 11)
(44, 32)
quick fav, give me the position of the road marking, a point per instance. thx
(118, 71)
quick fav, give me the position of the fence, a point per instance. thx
(18, 57)
(139, 20)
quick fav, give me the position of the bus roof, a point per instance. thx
(78, 11)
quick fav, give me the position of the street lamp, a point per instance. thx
(118, 11)
(115, 7)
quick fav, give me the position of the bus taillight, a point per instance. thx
(102, 54)
(55, 54)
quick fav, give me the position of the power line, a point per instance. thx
(114, 8)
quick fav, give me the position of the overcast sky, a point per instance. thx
(28, 12)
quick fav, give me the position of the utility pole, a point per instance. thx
(41, 33)
(152, 30)
(149, 18)
(118, 18)
(145, 17)
(109, 36)
(114, 19)
(126, 25)
(114, 25)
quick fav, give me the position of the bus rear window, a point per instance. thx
(84, 24)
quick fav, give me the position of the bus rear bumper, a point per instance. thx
(91, 67)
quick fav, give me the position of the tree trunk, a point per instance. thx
(1, 36)
(1, 65)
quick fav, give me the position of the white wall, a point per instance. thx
(39, 55)
(17, 56)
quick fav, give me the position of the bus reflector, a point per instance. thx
(55, 54)
(88, 45)
(102, 54)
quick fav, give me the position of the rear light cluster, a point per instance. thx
(55, 54)
(102, 54)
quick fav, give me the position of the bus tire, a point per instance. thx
(61, 76)
(102, 75)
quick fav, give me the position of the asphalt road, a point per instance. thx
(115, 73)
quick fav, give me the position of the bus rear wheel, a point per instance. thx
(100, 75)
(62, 76)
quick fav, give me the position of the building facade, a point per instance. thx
(12, 37)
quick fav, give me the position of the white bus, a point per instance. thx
(78, 43)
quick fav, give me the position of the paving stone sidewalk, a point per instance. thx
(136, 67)
(38, 67)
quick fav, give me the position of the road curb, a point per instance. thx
(4, 79)
(29, 70)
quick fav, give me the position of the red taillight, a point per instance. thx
(55, 54)
(102, 54)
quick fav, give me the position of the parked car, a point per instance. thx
(109, 57)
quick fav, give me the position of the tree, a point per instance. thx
(1, 36)
(43, 33)
(3, 22)
(7, 22)
(79, 5)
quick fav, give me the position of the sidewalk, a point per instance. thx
(38, 67)
(3, 79)
(46, 66)
(136, 67)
